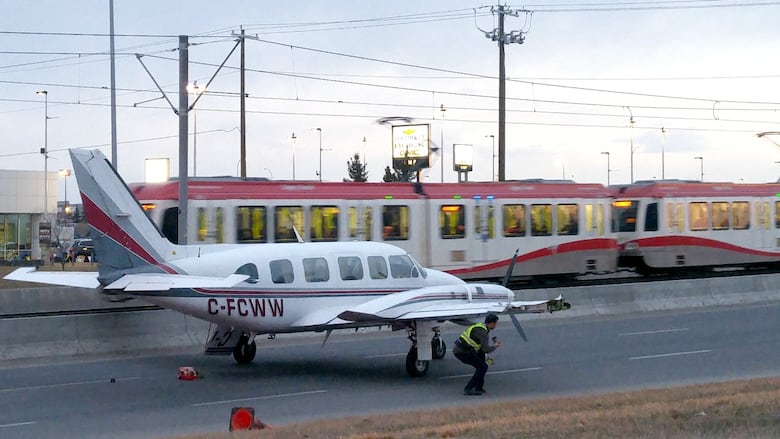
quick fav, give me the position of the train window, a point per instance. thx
(288, 219)
(251, 224)
(377, 267)
(777, 214)
(478, 221)
(452, 221)
(220, 229)
(324, 223)
(671, 219)
(700, 216)
(766, 215)
(514, 220)
(740, 211)
(600, 219)
(395, 223)
(282, 271)
(762, 214)
(541, 220)
(350, 268)
(720, 215)
(651, 218)
(401, 266)
(203, 224)
(367, 222)
(316, 269)
(170, 225)
(355, 227)
(624, 215)
(680, 217)
(249, 270)
(568, 219)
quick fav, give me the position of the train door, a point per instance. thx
(763, 235)
(481, 244)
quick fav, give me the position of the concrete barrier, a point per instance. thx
(101, 332)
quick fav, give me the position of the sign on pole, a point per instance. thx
(411, 145)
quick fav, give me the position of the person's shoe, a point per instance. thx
(481, 391)
(472, 392)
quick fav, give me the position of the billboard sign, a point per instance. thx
(462, 157)
(411, 145)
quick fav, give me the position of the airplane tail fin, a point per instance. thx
(125, 238)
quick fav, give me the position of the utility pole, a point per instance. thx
(183, 136)
(45, 152)
(319, 130)
(631, 145)
(441, 141)
(502, 38)
(293, 138)
(243, 105)
(663, 152)
(114, 161)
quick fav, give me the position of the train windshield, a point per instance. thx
(624, 215)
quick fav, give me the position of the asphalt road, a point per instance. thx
(293, 379)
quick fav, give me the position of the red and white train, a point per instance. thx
(471, 229)
(691, 225)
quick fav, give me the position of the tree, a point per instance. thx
(356, 169)
(402, 173)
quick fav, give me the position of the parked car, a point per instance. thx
(82, 250)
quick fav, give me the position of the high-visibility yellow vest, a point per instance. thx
(466, 336)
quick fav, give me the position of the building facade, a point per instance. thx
(25, 230)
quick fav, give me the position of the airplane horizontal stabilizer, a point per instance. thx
(81, 279)
(165, 282)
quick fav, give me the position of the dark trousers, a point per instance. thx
(472, 358)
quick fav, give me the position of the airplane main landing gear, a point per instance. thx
(438, 347)
(245, 351)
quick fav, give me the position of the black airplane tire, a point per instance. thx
(414, 367)
(244, 353)
(439, 348)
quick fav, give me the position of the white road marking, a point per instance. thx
(527, 369)
(673, 354)
(660, 331)
(384, 356)
(18, 424)
(76, 383)
(255, 398)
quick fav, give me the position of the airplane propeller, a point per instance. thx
(505, 284)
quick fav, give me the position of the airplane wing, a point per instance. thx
(81, 279)
(128, 283)
(165, 282)
(452, 302)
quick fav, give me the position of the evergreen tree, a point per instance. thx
(356, 169)
(402, 173)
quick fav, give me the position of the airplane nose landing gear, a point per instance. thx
(245, 350)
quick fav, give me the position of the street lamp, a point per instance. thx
(196, 90)
(293, 138)
(319, 130)
(441, 141)
(65, 173)
(493, 137)
(609, 170)
(45, 152)
(631, 145)
(364, 150)
(701, 167)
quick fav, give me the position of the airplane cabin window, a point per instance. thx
(316, 269)
(402, 267)
(350, 268)
(249, 270)
(282, 271)
(377, 267)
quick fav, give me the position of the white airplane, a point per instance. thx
(252, 289)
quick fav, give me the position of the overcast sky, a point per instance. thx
(725, 57)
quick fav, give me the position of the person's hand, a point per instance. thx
(497, 344)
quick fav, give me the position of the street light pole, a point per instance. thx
(293, 151)
(65, 173)
(609, 170)
(663, 151)
(319, 130)
(493, 137)
(701, 167)
(364, 151)
(441, 141)
(631, 145)
(45, 152)
(196, 90)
